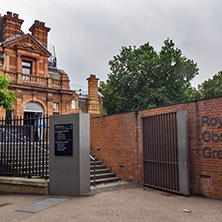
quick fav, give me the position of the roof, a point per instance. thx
(17, 38)
(12, 38)
(54, 75)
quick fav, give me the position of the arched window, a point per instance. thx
(33, 107)
(31, 110)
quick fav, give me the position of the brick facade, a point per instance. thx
(117, 140)
(43, 84)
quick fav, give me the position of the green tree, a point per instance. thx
(209, 88)
(141, 78)
(7, 97)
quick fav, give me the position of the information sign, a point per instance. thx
(63, 139)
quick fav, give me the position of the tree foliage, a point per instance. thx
(141, 78)
(7, 97)
(209, 88)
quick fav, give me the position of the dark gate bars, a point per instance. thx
(21, 153)
(160, 152)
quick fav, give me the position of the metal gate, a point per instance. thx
(165, 152)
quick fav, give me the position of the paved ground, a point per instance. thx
(135, 204)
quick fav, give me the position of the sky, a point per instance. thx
(87, 34)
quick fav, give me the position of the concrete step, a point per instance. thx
(98, 167)
(100, 188)
(101, 176)
(100, 171)
(98, 162)
(105, 180)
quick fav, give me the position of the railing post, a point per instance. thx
(47, 145)
(2, 144)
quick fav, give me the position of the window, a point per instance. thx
(73, 104)
(26, 67)
(56, 106)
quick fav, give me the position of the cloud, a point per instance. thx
(87, 34)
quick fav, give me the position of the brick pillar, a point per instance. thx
(18, 109)
(6, 61)
(19, 63)
(65, 81)
(40, 32)
(11, 25)
(49, 104)
(46, 71)
(37, 67)
(93, 103)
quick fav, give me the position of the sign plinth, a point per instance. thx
(69, 150)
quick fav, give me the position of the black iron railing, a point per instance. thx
(24, 147)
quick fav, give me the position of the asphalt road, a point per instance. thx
(135, 204)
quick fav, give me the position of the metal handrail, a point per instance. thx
(94, 172)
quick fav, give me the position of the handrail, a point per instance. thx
(94, 172)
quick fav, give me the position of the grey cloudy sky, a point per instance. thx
(88, 33)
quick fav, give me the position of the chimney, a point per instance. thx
(40, 32)
(11, 25)
(93, 102)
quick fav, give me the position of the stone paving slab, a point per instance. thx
(42, 205)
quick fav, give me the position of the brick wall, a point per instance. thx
(117, 140)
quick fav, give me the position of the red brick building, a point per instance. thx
(41, 86)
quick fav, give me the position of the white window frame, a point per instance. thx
(73, 104)
(55, 106)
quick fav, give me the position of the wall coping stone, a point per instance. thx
(24, 181)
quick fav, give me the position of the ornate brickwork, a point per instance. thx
(26, 62)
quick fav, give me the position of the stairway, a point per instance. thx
(103, 173)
